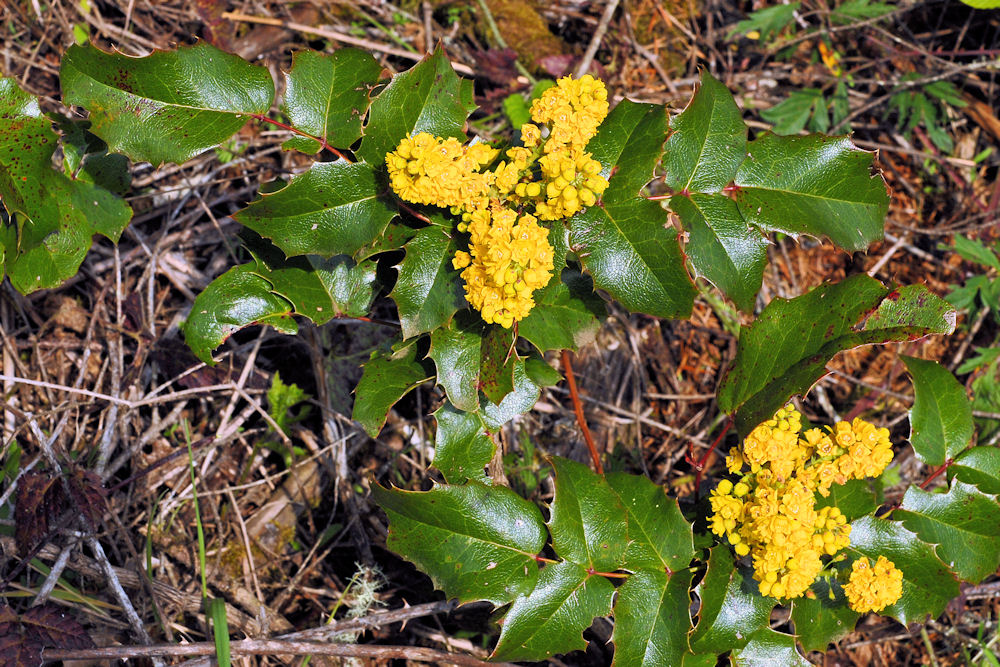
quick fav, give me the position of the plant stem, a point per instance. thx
(578, 409)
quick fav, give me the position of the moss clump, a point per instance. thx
(525, 31)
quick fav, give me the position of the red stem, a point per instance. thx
(578, 409)
(930, 478)
(699, 466)
(277, 123)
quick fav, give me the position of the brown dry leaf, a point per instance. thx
(88, 494)
(22, 639)
(40, 501)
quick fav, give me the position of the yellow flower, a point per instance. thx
(873, 588)
(573, 108)
(425, 169)
(510, 257)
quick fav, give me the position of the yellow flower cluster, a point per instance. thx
(873, 587)
(549, 177)
(771, 514)
(510, 258)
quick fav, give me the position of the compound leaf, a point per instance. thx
(552, 617)
(326, 95)
(822, 620)
(732, 609)
(768, 647)
(429, 97)
(659, 537)
(624, 242)
(962, 523)
(817, 185)
(476, 542)
(587, 520)
(236, 299)
(652, 619)
(462, 447)
(722, 246)
(168, 106)
(708, 142)
(386, 378)
(787, 348)
(335, 208)
(52, 216)
(979, 466)
(927, 583)
(941, 416)
(456, 349)
(428, 291)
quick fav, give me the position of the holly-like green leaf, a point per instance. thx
(387, 377)
(476, 542)
(787, 348)
(462, 447)
(86, 157)
(523, 398)
(979, 466)
(817, 185)
(767, 648)
(236, 299)
(659, 537)
(552, 617)
(168, 106)
(429, 97)
(456, 349)
(587, 520)
(652, 619)
(853, 498)
(624, 242)
(722, 246)
(496, 362)
(927, 584)
(429, 289)
(53, 217)
(732, 609)
(962, 523)
(335, 208)
(941, 417)
(822, 620)
(566, 316)
(326, 95)
(708, 142)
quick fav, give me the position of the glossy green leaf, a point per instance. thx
(387, 377)
(517, 402)
(429, 289)
(708, 141)
(624, 242)
(854, 498)
(236, 299)
(168, 106)
(335, 208)
(659, 537)
(86, 157)
(979, 466)
(566, 316)
(787, 348)
(429, 97)
(326, 95)
(821, 621)
(732, 609)
(722, 246)
(817, 185)
(928, 585)
(941, 416)
(793, 114)
(462, 447)
(456, 349)
(767, 648)
(53, 217)
(476, 542)
(652, 619)
(552, 617)
(963, 523)
(496, 362)
(587, 521)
